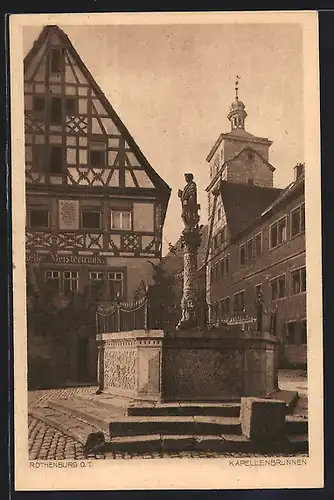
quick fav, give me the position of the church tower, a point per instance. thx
(237, 157)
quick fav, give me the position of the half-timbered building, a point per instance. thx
(95, 207)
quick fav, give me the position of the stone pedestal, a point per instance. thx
(131, 364)
(262, 419)
(188, 365)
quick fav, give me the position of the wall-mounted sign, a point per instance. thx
(69, 214)
(52, 258)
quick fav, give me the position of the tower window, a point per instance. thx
(56, 112)
(57, 58)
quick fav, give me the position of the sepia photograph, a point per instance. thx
(166, 250)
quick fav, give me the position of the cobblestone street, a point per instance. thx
(46, 443)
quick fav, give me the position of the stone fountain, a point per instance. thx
(192, 363)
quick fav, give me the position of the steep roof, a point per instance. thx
(237, 134)
(243, 203)
(52, 30)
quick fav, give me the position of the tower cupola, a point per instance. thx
(237, 114)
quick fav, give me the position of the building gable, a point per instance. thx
(73, 134)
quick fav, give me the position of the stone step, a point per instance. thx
(97, 416)
(290, 398)
(64, 422)
(296, 425)
(184, 409)
(206, 443)
(131, 426)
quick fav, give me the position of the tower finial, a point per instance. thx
(237, 78)
(237, 112)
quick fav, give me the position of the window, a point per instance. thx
(97, 153)
(277, 286)
(121, 219)
(298, 281)
(57, 59)
(250, 155)
(115, 284)
(38, 104)
(296, 332)
(258, 245)
(239, 302)
(52, 279)
(96, 282)
(290, 332)
(243, 254)
(249, 250)
(298, 220)
(278, 233)
(71, 282)
(225, 308)
(56, 159)
(39, 218)
(224, 266)
(250, 181)
(303, 333)
(258, 290)
(91, 219)
(56, 111)
(71, 106)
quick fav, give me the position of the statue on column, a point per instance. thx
(191, 240)
(188, 198)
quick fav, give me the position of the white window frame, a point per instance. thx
(234, 295)
(121, 212)
(254, 244)
(52, 272)
(285, 287)
(299, 207)
(70, 279)
(118, 280)
(286, 232)
(297, 270)
(240, 247)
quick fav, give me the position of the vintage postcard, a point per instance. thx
(167, 270)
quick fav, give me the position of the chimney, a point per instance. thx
(299, 170)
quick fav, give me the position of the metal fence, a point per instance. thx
(122, 316)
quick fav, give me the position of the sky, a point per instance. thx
(172, 86)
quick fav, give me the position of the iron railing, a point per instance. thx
(122, 316)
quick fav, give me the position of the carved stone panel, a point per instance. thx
(202, 373)
(120, 369)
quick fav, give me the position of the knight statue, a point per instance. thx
(188, 198)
